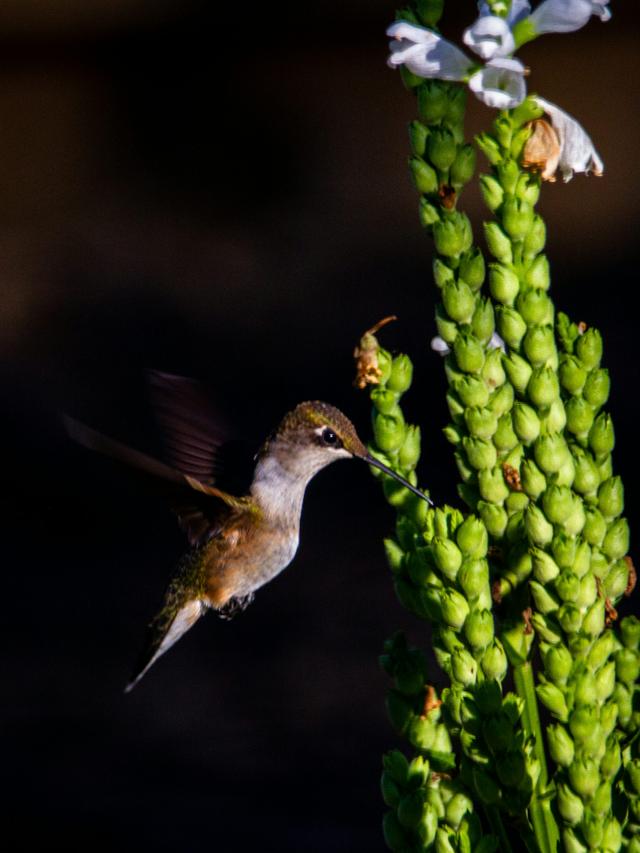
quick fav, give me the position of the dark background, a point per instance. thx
(223, 194)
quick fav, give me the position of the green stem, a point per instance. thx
(497, 828)
(542, 819)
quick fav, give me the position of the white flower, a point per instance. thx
(490, 36)
(425, 53)
(500, 84)
(440, 346)
(577, 151)
(496, 342)
(565, 16)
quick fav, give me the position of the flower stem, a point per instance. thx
(544, 824)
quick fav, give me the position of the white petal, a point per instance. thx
(440, 346)
(565, 16)
(500, 84)
(490, 36)
(496, 342)
(577, 153)
(425, 53)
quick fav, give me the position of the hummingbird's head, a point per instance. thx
(318, 434)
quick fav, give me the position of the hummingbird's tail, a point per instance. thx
(167, 627)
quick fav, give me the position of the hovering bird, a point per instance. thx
(238, 544)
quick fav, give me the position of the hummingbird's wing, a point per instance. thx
(200, 507)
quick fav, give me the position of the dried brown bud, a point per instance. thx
(542, 150)
(633, 576)
(512, 477)
(366, 356)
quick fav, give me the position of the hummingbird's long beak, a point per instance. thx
(371, 460)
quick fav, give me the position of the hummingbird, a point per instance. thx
(238, 543)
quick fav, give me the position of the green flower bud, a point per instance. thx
(410, 450)
(472, 391)
(573, 524)
(453, 434)
(561, 746)
(605, 467)
(395, 837)
(597, 386)
(550, 452)
(485, 787)
(482, 322)
(569, 805)
(444, 844)
(543, 387)
(572, 374)
(390, 791)
(498, 243)
(503, 284)
(569, 839)
(544, 601)
(441, 148)
(627, 666)
(418, 772)
(432, 100)
(539, 344)
(612, 837)
(447, 329)
(595, 526)
(472, 269)
(489, 147)
(630, 632)
(454, 609)
(557, 663)
(494, 661)
(601, 650)
(569, 617)
(418, 139)
(601, 437)
(469, 353)
(501, 400)
(472, 539)
(580, 416)
(553, 699)
(518, 370)
(517, 218)
(583, 777)
(589, 348)
(428, 826)
(388, 431)
(422, 733)
(401, 374)
(481, 454)
(611, 760)
(508, 171)
(616, 542)
(473, 577)
(545, 628)
(494, 518)
(623, 701)
(525, 423)
(458, 300)
(593, 622)
(611, 497)
(538, 275)
(457, 807)
(492, 485)
(463, 166)
(505, 438)
(428, 214)
(492, 192)
(528, 186)
(593, 829)
(478, 629)
(588, 591)
(385, 401)
(539, 531)
(587, 479)
(464, 668)
(424, 176)
(481, 423)
(453, 236)
(536, 307)
(511, 326)
(535, 240)
(493, 372)
(394, 554)
(447, 556)
(554, 419)
(605, 681)
(467, 473)
(545, 569)
(557, 502)
(584, 719)
(533, 480)
(442, 273)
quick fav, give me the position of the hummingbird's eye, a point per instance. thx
(330, 438)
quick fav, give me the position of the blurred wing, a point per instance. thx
(200, 507)
(192, 432)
